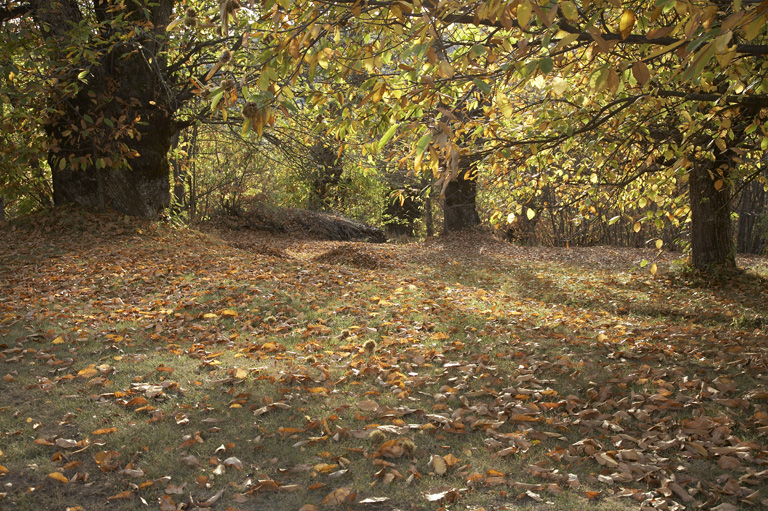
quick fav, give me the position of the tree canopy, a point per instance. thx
(665, 101)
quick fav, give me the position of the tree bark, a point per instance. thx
(753, 215)
(110, 137)
(711, 229)
(461, 198)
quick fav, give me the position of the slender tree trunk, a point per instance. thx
(428, 215)
(461, 198)
(711, 229)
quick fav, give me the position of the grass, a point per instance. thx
(146, 365)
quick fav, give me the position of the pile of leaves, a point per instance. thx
(148, 366)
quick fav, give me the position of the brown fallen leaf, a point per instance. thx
(450, 460)
(107, 460)
(167, 503)
(443, 494)
(65, 443)
(308, 507)
(728, 463)
(190, 461)
(132, 472)
(233, 462)
(338, 497)
(211, 500)
(368, 406)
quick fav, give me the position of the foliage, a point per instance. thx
(607, 99)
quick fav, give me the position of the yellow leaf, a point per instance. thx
(654, 269)
(450, 459)
(626, 23)
(58, 476)
(637, 227)
(524, 13)
(88, 372)
(570, 11)
(104, 431)
(445, 70)
(4, 470)
(325, 468)
(505, 106)
(438, 464)
(659, 244)
(530, 214)
(229, 313)
(58, 340)
(122, 495)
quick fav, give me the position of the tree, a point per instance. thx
(656, 94)
(113, 81)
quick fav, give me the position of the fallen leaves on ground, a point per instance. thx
(344, 374)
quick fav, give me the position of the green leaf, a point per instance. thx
(477, 50)
(482, 85)
(216, 98)
(387, 135)
(546, 65)
(423, 144)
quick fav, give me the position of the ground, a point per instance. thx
(146, 365)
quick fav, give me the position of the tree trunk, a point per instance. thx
(428, 214)
(711, 229)
(140, 188)
(753, 216)
(402, 211)
(460, 198)
(110, 137)
(327, 168)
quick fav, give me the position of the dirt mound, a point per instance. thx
(300, 223)
(354, 257)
